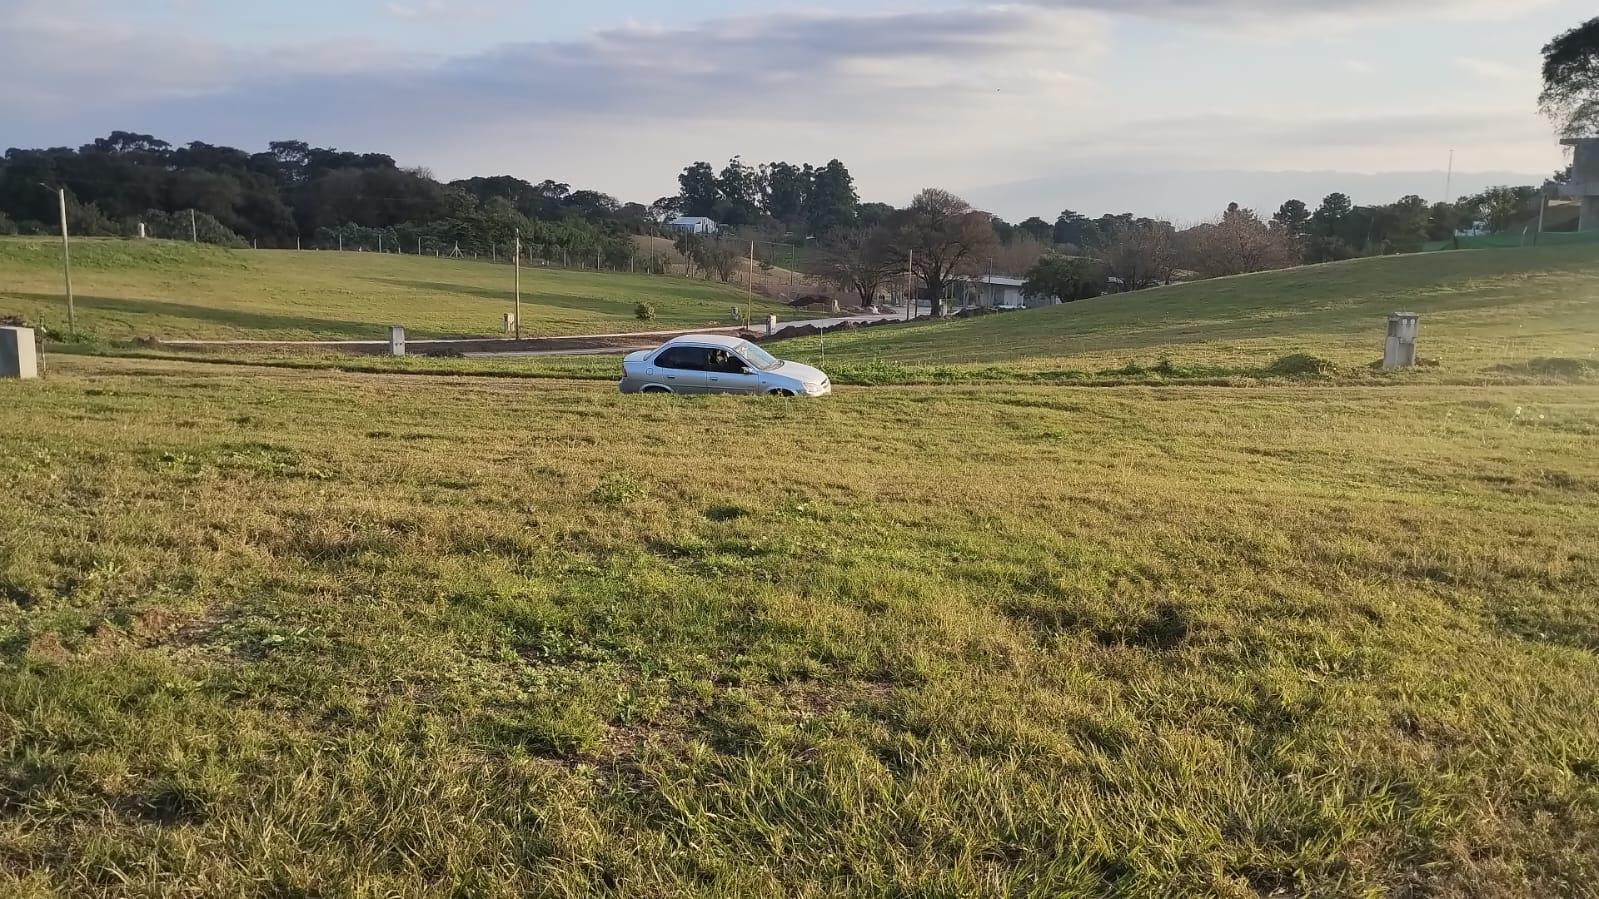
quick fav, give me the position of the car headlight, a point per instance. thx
(816, 389)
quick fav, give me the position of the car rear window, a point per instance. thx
(687, 358)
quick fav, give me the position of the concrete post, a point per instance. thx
(510, 322)
(771, 325)
(1400, 351)
(19, 356)
(1584, 185)
(396, 340)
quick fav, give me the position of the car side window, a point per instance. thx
(685, 358)
(725, 362)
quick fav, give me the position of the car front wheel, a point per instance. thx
(779, 391)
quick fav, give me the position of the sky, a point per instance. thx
(1160, 107)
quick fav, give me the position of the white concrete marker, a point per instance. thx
(19, 355)
(1400, 351)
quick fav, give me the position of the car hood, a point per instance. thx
(804, 374)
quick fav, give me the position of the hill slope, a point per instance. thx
(1478, 309)
(128, 289)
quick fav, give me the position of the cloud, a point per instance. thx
(964, 95)
(908, 67)
(1494, 69)
(1275, 13)
(435, 12)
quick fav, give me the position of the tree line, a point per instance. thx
(296, 195)
(947, 245)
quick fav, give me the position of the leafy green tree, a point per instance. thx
(1443, 220)
(1501, 208)
(699, 190)
(1064, 278)
(1038, 229)
(1571, 80)
(870, 215)
(786, 189)
(740, 188)
(1293, 217)
(1076, 230)
(832, 200)
(1331, 218)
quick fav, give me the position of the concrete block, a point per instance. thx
(396, 340)
(19, 354)
(1400, 350)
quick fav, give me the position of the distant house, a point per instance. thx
(692, 224)
(999, 292)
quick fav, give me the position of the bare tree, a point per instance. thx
(1237, 244)
(1017, 256)
(942, 236)
(1140, 254)
(689, 246)
(719, 258)
(861, 260)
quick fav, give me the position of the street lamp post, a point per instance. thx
(66, 258)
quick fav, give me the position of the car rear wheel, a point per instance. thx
(655, 388)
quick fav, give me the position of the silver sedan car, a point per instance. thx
(705, 363)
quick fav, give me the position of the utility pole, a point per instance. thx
(752, 266)
(380, 241)
(194, 228)
(66, 262)
(1543, 207)
(517, 315)
(910, 285)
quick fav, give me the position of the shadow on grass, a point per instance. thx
(620, 307)
(237, 318)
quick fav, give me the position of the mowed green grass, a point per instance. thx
(165, 290)
(284, 633)
(1479, 309)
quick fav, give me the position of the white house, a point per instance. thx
(692, 224)
(999, 292)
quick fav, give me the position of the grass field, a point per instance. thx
(283, 633)
(1480, 310)
(1489, 318)
(161, 289)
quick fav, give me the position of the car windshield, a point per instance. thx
(758, 357)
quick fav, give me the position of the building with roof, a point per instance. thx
(997, 292)
(692, 224)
